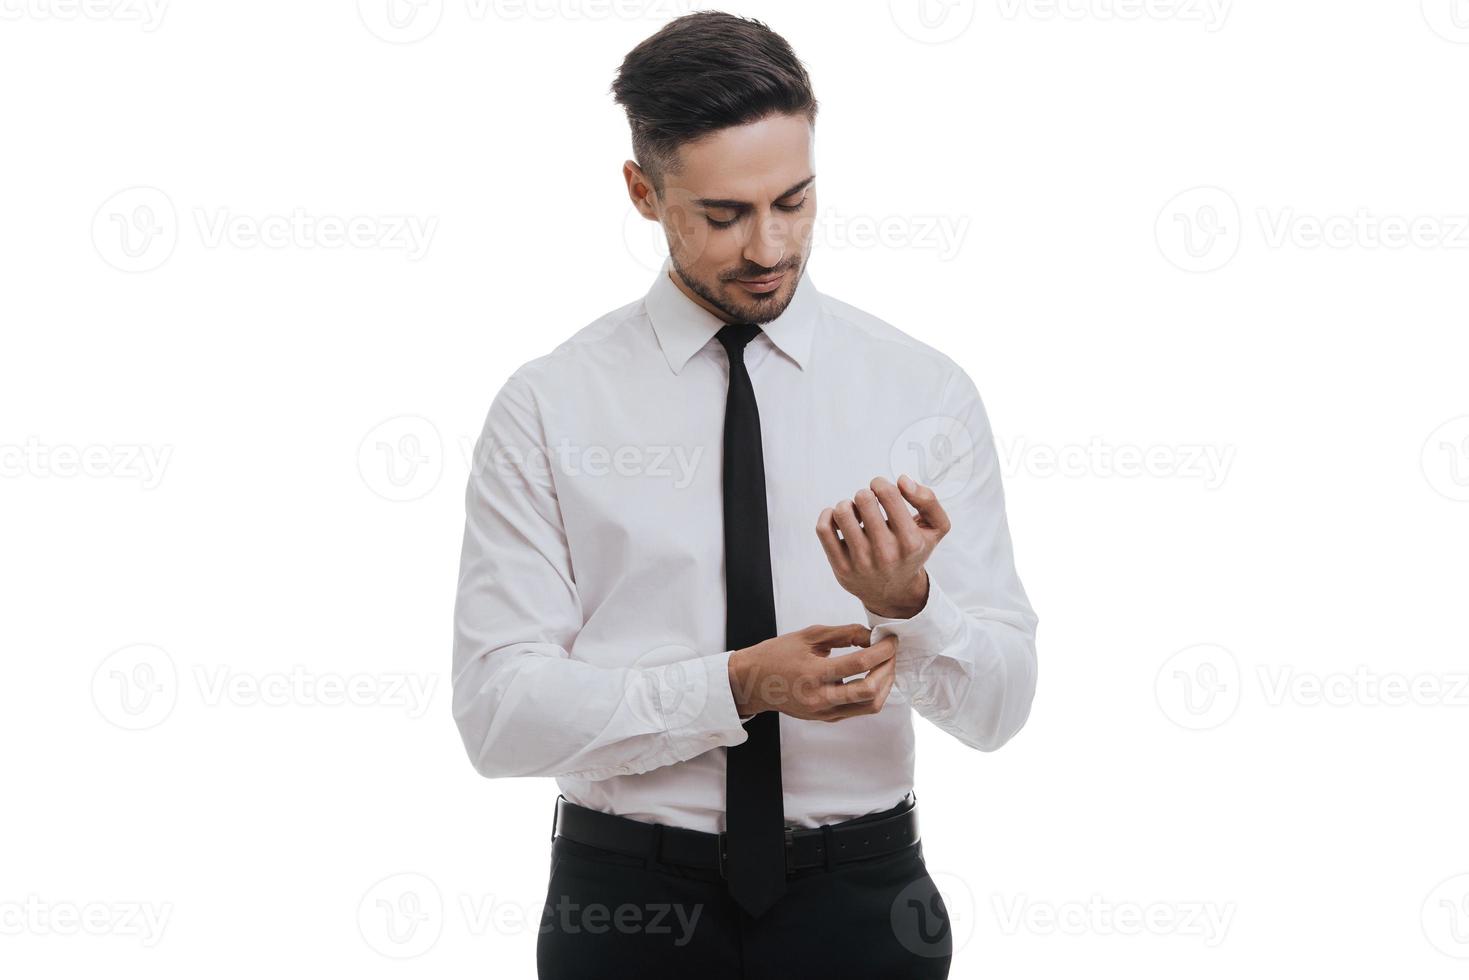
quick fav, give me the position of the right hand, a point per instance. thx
(794, 674)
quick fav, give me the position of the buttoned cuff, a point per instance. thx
(927, 633)
(698, 705)
(932, 632)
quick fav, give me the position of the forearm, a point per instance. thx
(970, 672)
(529, 710)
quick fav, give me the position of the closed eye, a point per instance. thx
(788, 208)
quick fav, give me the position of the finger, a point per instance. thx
(844, 712)
(860, 661)
(856, 542)
(827, 638)
(836, 551)
(872, 685)
(879, 536)
(886, 674)
(865, 696)
(900, 522)
(930, 512)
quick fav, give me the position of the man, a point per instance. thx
(678, 521)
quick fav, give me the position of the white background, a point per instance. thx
(1232, 421)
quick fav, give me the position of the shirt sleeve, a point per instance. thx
(523, 705)
(967, 660)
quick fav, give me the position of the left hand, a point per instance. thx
(882, 561)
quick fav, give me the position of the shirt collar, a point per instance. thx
(683, 327)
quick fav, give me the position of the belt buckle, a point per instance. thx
(789, 851)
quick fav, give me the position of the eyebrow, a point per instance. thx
(710, 202)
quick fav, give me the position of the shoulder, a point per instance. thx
(601, 348)
(872, 337)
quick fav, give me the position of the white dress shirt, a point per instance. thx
(589, 628)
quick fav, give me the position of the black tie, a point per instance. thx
(754, 813)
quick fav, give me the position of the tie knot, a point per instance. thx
(734, 337)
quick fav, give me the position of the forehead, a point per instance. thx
(752, 163)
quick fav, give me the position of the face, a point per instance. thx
(741, 209)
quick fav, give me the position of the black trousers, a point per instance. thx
(610, 915)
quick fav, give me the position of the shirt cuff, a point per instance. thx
(929, 631)
(698, 705)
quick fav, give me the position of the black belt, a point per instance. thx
(807, 847)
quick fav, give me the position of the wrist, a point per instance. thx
(738, 666)
(908, 604)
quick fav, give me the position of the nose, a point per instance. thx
(767, 245)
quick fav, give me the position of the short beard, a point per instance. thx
(734, 316)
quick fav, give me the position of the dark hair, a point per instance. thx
(703, 72)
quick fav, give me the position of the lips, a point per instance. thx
(765, 285)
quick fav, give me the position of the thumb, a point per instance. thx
(931, 513)
(835, 637)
